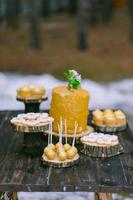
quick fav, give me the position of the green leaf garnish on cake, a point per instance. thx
(73, 78)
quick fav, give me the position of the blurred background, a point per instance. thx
(46, 36)
(41, 39)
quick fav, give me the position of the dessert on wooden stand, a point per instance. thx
(109, 120)
(31, 96)
(60, 155)
(71, 104)
(100, 145)
(31, 126)
(31, 122)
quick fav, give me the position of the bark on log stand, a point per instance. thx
(33, 139)
(101, 152)
(33, 144)
(113, 130)
(60, 164)
(103, 196)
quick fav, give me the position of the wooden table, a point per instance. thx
(20, 172)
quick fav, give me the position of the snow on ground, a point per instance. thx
(115, 94)
(112, 95)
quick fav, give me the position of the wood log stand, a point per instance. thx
(32, 105)
(101, 152)
(33, 144)
(103, 196)
(14, 196)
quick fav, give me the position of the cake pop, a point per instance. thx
(73, 150)
(66, 145)
(50, 154)
(50, 149)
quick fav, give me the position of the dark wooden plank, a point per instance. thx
(126, 138)
(110, 175)
(21, 172)
(86, 174)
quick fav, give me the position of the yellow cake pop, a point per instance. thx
(67, 147)
(62, 155)
(50, 154)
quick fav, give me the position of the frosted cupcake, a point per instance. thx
(120, 118)
(31, 92)
(98, 117)
(110, 121)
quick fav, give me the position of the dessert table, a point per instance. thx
(21, 172)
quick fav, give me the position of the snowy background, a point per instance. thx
(112, 95)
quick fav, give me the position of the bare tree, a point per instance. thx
(94, 12)
(83, 7)
(34, 23)
(1, 17)
(130, 8)
(12, 13)
(101, 10)
(106, 10)
(45, 7)
(72, 6)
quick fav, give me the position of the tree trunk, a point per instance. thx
(12, 13)
(45, 8)
(94, 12)
(82, 23)
(130, 8)
(106, 10)
(1, 17)
(72, 6)
(34, 24)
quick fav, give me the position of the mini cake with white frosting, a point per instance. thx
(32, 119)
(101, 145)
(100, 139)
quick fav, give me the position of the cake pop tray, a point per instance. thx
(88, 130)
(60, 164)
(32, 100)
(30, 129)
(101, 151)
(110, 129)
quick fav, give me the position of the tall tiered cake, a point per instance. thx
(70, 103)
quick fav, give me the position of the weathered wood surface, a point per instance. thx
(21, 172)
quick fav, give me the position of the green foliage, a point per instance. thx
(73, 78)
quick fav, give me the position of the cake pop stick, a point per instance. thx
(66, 145)
(50, 132)
(49, 150)
(73, 150)
(59, 144)
(60, 130)
(65, 123)
(75, 131)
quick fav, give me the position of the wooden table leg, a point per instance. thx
(14, 196)
(103, 196)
